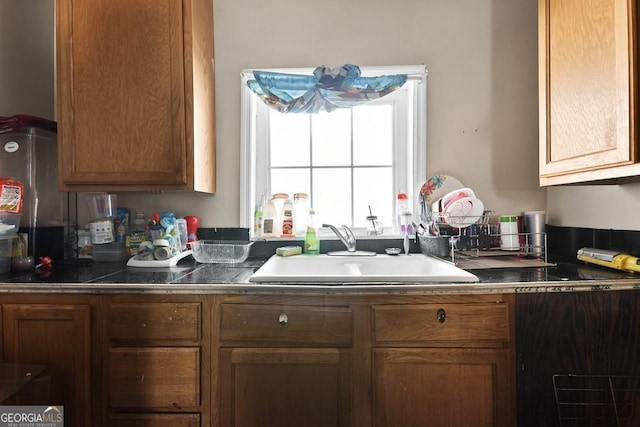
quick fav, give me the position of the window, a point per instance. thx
(349, 161)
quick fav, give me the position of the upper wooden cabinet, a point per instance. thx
(135, 95)
(587, 91)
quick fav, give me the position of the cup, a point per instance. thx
(374, 227)
(509, 233)
(534, 226)
(101, 205)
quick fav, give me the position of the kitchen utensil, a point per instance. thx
(418, 227)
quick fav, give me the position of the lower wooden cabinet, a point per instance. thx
(162, 378)
(284, 387)
(285, 364)
(441, 387)
(157, 360)
(140, 360)
(381, 361)
(447, 362)
(57, 335)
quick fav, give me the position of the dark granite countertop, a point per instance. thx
(189, 277)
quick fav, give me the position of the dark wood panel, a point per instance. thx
(579, 333)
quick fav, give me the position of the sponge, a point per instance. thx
(288, 250)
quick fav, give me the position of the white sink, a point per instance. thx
(414, 268)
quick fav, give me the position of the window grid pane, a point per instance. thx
(340, 191)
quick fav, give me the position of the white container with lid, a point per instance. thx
(509, 240)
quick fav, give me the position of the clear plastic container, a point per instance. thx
(109, 252)
(301, 212)
(6, 243)
(221, 251)
(101, 205)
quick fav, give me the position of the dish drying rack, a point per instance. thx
(602, 400)
(482, 237)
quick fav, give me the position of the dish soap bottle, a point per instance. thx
(311, 242)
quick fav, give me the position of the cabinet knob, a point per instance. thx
(441, 315)
(283, 319)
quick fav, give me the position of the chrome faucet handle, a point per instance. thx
(349, 242)
(351, 239)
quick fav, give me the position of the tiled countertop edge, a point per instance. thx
(334, 289)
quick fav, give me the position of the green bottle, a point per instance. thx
(311, 242)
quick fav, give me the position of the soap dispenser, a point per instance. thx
(311, 241)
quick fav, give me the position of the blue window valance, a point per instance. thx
(326, 90)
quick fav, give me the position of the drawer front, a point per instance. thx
(159, 377)
(428, 323)
(250, 324)
(149, 321)
(154, 420)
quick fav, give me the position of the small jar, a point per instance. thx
(374, 227)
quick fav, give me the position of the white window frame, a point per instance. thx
(254, 161)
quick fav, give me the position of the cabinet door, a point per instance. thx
(284, 387)
(122, 117)
(165, 378)
(586, 60)
(57, 336)
(442, 387)
(595, 337)
(135, 95)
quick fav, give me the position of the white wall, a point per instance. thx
(482, 94)
(27, 58)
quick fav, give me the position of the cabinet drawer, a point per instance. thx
(159, 377)
(148, 321)
(154, 420)
(423, 323)
(278, 325)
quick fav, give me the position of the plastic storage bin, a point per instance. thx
(109, 252)
(221, 251)
(6, 242)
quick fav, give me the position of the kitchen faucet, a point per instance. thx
(349, 241)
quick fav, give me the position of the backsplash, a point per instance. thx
(561, 241)
(565, 241)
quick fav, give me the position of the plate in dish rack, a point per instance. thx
(439, 185)
(464, 212)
